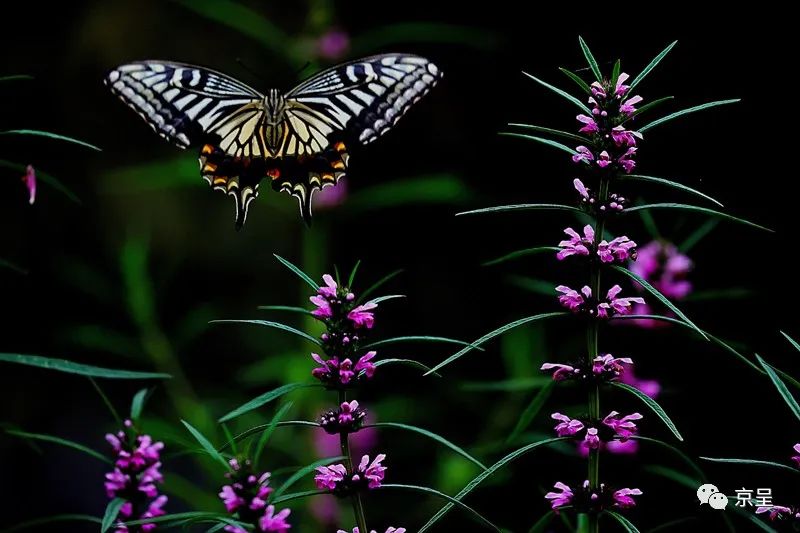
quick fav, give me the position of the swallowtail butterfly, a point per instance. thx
(299, 140)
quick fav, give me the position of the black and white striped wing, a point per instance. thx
(182, 103)
(364, 98)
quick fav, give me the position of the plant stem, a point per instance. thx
(358, 506)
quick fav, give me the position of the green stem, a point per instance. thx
(358, 505)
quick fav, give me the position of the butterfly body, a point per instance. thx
(298, 140)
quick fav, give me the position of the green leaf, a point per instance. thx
(650, 224)
(697, 235)
(697, 470)
(108, 403)
(521, 207)
(551, 131)
(652, 404)
(69, 367)
(668, 183)
(301, 310)
(781, 386)
(495, 333)
(416, 338)
(650, 66)
(682, 112)
(452, 501)
(296, 496)
(262, 441)
(16, 77)
(177, 518)
(207, 446)
(624, 522)
(677, 477)
(408, 362)
(542, 140)
(431, 435)
(485, 474)
(38, 133)
(138, 404)
(615, 72)
(590, 59)
(380, 299)
(112, 510)
(754, 462)
(577, 79)
(534, 285)
(265, 398)
(583, 107)
(52, 519)
(353, 274)
(303, 472)
(660, 297)
(380, 283)
(302, 275)
(530, 412)
(271, 324)
(696, 209)
(792, 341)
(62, 442)
(44, 177)
(647, 107)
(522, 253)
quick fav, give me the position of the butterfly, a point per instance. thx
(300, 140)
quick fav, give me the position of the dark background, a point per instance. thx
(130, 277)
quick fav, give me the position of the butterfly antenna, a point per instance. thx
(251, 71)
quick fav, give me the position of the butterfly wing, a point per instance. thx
(194, 106)
(354, 102)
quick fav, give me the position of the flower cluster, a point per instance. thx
(620, 249)
(346, 323)
(348, 418)
(136, 474)
(246, 496)
(779, 512)
(604, 368)
(585, 500)
(388, 530)
(583, 301)
(616, 426)
(336, 478)
(591, 203)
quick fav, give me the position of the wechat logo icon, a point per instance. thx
(711, 495)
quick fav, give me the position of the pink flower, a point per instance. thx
(388, 530)
(333, 45)
(361, 315)
(583, 155)
(621, 306)
(116, 481)
(29, 179)
(330, 287)
(597, 90)
(650, 387)
(623, 137)
(346, 412)
(609, 366)
(572, 299)
(591, 440)
(348, 418)
(582, 190)
(153, 510)
(665, 267)
(626, 161)
(604, 159)
(274, 522)
(628, 447)
(562, 498)
(775, 511)
(620, 90)
(567, 427)
(619, 249)
(323, 309)
(622, 426)
(231, 500)
(562, 372)
(373, 471)
(365, 364)
(627, 107)
(576, 245)
(590, 126)
(623, 499)
(796, 458)
(328, 477)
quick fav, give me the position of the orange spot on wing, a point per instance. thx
(207, 149)
(209, 167)
(220, 180)
(274, 173)
(339, 146)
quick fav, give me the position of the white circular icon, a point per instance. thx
(718, 501)
(705, 492)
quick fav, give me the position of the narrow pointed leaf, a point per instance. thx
(753, 462)
(648, 106)
(107, 402)
(624, 522)
(698, 235)
(521, 207)
(380, 299)
(781, 386)
(583, 107)
(265, 398)
(485, 474)
(430, 435)
(408, 362)
(495, 333)
(653, 405)
(650, 224)
(792, 341)
(16, 77)
(650, 66)
(538, 286)
(668, 183)
(696, 209)
(590, 59)
(62, 442)
(682, 112)
(660, 297)
(417, 338)
(353, 274)
(685, 458)
(271, 324)
(267, 433)
(577, 79)
(303, 472)
(542, 140)
(38, 133)
(296, 496)
(207, 446)
(177, 518)
(452, 501)
(380, 283)
(565, 134)
(522, 253)
(302, 275)
(137, 404)
(615, 71)
(290, 308)
(537, 402)
(112, 511)
(69, 367)
(52, 520)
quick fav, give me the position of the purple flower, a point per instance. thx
(348, 418)
(589, 125)
(29, 179)
(619, 249)
(274, 522)
(562, 498)
(366, 475)
(245, 490)
(582, 190)
(328, 477)
(576, 245)
(775, 511)
(333, 44)
(623, 499)
(361, 315)
(562, 372)
(665, 267)
(650, 387)
(330, 287)
(626, 161)
(583, 155)
(612, 305)
(388, 530)
(323, 309)
(591, 441)
(373, 471)
(628, 447)
(621, 90)
(567, 426)
(231, 500)
(338, 373)
(603, 159)
(627, 107)
(622, 426)
(796, 458)
(364, 363)
(572, 299)
(623, 137)
(609, 366)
